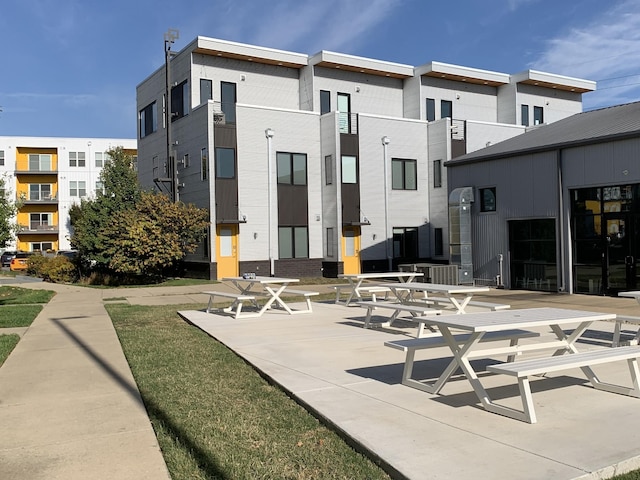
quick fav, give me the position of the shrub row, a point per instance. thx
(55, 269)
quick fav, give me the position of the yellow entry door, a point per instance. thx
(227, 251)
(351, 249)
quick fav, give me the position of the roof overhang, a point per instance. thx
(249, 53)
(550, 80)
(369, 66)
(462, 74)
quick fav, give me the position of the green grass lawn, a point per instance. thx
(7, 344)
(21, 296)
(18, 315)
(215, 417)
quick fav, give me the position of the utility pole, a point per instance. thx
(169, 37)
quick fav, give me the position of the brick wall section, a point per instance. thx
(298, 267)
(259, 267)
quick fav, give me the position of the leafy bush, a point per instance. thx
(57, 269)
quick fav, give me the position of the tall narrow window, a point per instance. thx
(438, 244)
(325, 102)
(329, 241)
(148, 117)
(206, 90)
(403, 174)
(180, 101)
(228, 97)
(328, 170)
(538, 115)
(431, 109)
(437, 173)
(292, 168)
(225, 162)
(405, 242)
(204, 164)
(349, 169)
(344, 112)
(446, 109)
(524, 115)
(99, 159)
(1, 157)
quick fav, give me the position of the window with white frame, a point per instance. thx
(78, 188)
(148, 117)
(99, 187)
(100, 159)
(40, 221)
(39, 191)
(41, 246)
(39, 162)
(77, 159)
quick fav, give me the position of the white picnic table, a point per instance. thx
(477, 325)
(269, 287)
(356, 281)
(626, 319)
(458, 295)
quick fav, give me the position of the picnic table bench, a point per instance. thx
(236, 306)
(415, 310)
(538, 366)
(494, 307)
(307, 294)
(620, 319)
(411, 345)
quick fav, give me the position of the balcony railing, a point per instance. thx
(224, 113)
(42, 198)
(36, 171)
(348, 123)
(36, 227)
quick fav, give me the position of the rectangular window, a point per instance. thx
(538, 115)
(403, 174)
(148, 118)
(179, 100)
(41, 221)
(328, 170)
(186, 161)
(437, 173)
(77, 159)
(349, 169)
(292, 168)
(228, 100)
(344, 112)
(38, 191)
(293, 242)
(78, 188)
(329, 241)
(99, 187)
(1, 158)
(99, 159)
(524, 115)
(431, 109)
(204, 164)
(39, 162)
(438, 244)
(206, 90)
(225, 162)
(446, 109)
(134, 162)
(405, 243)
(325, 102)
(488, 199)
(155, 165)
(41, 246)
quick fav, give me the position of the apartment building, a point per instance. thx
(329, 163)
(46, 175)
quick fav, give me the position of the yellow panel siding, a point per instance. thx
(22, 157)
(25, 241)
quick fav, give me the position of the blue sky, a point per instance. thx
(71, 67)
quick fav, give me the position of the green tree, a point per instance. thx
(130, 232)
(8, 210)
(153, 236)
(91, 218)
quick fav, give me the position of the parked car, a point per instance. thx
(6, 257)
(70, 254)
(19, 262)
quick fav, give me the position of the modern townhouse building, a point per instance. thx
(325, 164)
(46, 175)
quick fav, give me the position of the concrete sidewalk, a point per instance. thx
(70, 409)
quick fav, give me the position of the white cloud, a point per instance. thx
(604, 50)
